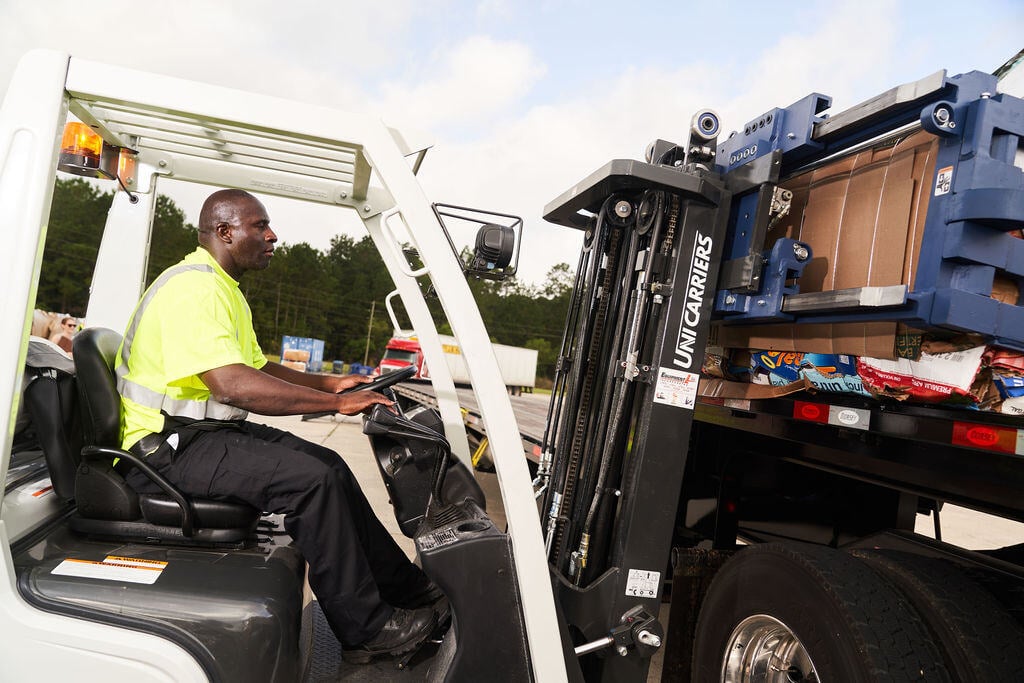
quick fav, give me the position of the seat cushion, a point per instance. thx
(217, 514)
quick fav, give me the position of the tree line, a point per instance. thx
(336, 295)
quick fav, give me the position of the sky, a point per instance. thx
(523, 98)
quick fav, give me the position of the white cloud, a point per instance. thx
(490, 9)
(523, 164)
(475, 80)
(315, 52)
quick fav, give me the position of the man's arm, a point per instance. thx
(329, 383)
(244, 387)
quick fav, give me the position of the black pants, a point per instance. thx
(355, 567)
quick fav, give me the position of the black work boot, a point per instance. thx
(429, 596)
(403, 632)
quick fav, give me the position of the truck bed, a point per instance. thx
(923, 450)
(926, 451)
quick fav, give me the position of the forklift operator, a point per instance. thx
(189, 371)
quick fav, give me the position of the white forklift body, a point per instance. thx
(224, 138)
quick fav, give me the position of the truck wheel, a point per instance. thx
(979, 639)
(796, 612)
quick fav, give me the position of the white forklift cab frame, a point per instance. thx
(226, 138)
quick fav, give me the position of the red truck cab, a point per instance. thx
(400, 353)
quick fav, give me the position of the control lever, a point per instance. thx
(637, 628)
(385, 422)
(384, 381)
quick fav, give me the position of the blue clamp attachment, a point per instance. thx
(784, 264)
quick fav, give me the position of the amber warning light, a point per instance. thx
(83, 152)
(80, 150)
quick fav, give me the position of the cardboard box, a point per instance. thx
(877, 340)
(863, 215)
(712, 387)
(299, 355)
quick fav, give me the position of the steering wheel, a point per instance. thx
(384, 381)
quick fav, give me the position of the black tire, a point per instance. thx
(979, 640)
(852, 625)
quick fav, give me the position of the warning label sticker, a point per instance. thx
(676, 388)
(32, 491)
(113, 568)
(641, 583)
(944, 181)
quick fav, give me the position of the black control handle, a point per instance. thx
(384, 381)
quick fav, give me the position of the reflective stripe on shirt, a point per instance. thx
(158, 400)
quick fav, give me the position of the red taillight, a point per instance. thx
(1001, 439)
(811, 412)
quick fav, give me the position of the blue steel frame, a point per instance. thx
(967, 238)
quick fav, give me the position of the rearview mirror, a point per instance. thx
(495, 254)
(494, 247)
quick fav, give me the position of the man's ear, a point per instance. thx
(223, 232)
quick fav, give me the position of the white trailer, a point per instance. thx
(518, 365)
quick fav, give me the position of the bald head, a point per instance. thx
(221, 207)
(235, 229)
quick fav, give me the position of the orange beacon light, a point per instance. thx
(80, 150)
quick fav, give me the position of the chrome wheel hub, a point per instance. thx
(762, 648)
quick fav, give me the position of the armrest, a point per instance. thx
(93, 453)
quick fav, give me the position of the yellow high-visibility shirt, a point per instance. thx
(192, 319)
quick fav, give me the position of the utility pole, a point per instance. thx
(369, 328)
(277, 311)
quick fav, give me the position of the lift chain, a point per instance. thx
(584, 407)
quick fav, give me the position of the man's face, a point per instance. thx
(253, 241)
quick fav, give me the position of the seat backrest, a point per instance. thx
(95, 355)
(51, 403)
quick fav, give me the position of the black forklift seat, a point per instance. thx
(107, 505)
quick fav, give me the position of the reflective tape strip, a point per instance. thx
(144, 396)
(178, 407)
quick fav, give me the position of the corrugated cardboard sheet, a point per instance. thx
(856, 339)
(863, 216)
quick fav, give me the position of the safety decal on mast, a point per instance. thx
(642, 583)
(676, 388)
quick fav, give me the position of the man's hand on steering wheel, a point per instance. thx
(342, 382)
